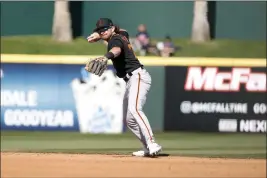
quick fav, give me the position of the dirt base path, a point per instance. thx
(72, 165)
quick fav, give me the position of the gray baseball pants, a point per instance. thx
(137, 88)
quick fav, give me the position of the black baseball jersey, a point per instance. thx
(126, 61)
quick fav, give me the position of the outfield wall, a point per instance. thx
(195, 94)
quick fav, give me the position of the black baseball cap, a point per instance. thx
(103, 23)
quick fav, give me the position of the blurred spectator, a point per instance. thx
(167, 47)
(142, 42)
(142, 37)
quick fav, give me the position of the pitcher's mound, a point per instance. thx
(16, 165)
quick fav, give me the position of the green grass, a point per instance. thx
(216, 48)
(182, 144)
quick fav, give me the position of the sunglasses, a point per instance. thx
(103, 29)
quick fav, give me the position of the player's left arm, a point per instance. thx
(115, 50)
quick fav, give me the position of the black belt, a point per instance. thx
(126, 78)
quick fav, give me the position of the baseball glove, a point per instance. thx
(97, 65)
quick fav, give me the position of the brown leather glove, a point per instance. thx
(97, 65)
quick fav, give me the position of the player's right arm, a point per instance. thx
(94, 37)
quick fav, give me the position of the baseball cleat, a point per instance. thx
(141, 153)
(154, 149)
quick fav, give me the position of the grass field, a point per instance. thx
(180, 143)
(216, 48)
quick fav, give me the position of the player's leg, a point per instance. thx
(139, 86)
(133, 125)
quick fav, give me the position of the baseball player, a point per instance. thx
(138, 80)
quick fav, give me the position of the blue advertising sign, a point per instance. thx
(60, 97)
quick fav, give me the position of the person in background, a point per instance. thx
(167, 47)
(142, 42)
(142, 37)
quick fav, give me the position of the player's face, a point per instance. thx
(105, 33)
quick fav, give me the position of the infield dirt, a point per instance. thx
(72, 165)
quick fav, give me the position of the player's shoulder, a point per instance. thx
(120, 37)
(124, 33)
(115, 38)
